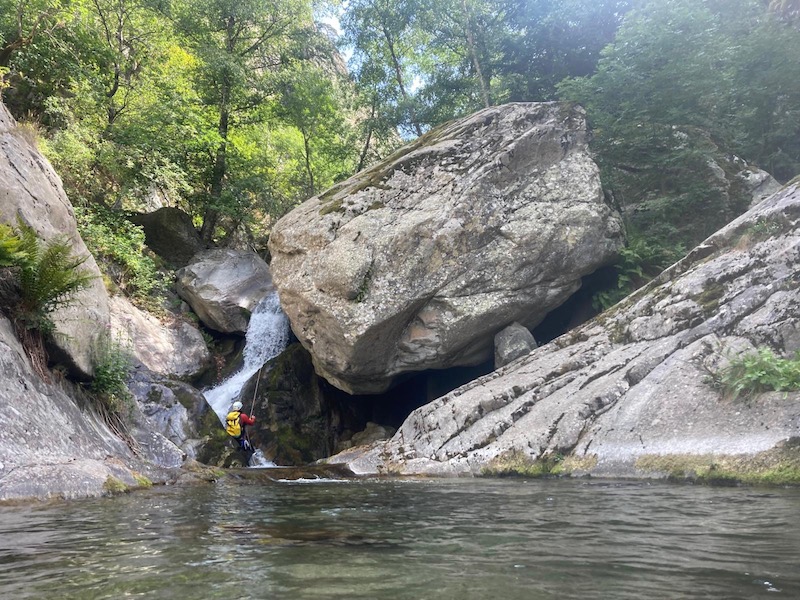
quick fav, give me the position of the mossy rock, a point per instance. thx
(519, 464)
(114, 486)
(778, 466)
(218, 449)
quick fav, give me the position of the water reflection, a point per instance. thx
(455, 540)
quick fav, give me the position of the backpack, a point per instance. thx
(232, 424)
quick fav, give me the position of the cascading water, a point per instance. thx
(267, 336)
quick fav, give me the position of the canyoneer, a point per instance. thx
(236, 423)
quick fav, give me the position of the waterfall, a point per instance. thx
(267, 335)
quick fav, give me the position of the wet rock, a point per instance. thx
(301, 418)
(171, 409)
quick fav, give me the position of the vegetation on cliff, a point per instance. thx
(236, 111)
(36, 279)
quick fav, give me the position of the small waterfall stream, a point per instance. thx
(267, 335)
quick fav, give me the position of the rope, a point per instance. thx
(255, 393)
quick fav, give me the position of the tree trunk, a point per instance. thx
(363, 157)
(398, 72)
(473, 52)
(211, 214)
(308, 162)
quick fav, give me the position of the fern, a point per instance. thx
(11, 254)
(760, 371)
(49, 277)
(639, 261)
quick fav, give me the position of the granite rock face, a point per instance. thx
(223, 286)
(31, 192)
(51, 448)
(175, 348)
(631, 392)
(417, 262)
(167, 417)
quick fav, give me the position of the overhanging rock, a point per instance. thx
(416, 262)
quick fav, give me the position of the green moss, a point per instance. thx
(519, 464)
(376, 175)
(217, 448)
(618, 333)
(709, 298)
(575, 465)
(334, 206)
(760, 230)
(113, 486)
(294, 445)
(142, 481)
(363, 288)
(778, 466)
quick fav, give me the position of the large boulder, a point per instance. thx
(50, 448)
(416, 262)
(170, 233)
(632, 393)
(173, 348)
(31, 192)
(223, 286)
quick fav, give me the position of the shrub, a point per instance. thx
(639, 261)
(119, 246)
(37, 278)
(760, 371)
(112, 366)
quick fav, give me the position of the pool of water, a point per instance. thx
(439, 539)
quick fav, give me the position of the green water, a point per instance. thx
(451, 539)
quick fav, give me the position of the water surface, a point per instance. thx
(441, 539)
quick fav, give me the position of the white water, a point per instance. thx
(267, 336)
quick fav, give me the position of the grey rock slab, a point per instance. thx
(637, 382)
(31, 191)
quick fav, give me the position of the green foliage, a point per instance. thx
(11, 254)
(119, 246)
(686, 82)
(4, 71)
(760, 371)
(49, 276)
(111, 369)
(639, 261)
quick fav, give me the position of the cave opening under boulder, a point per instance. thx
(312, 419)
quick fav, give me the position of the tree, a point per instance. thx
(23, 21)
(386, 42)
(684, 82)
(240, 44)
(312, 101)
